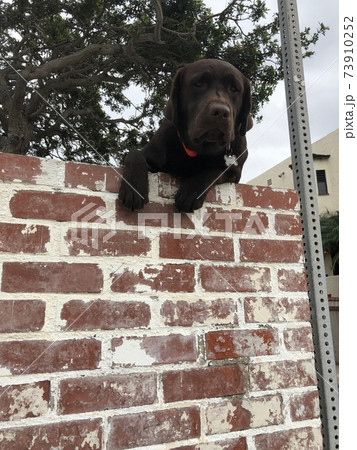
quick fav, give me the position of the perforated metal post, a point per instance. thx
(304, 179)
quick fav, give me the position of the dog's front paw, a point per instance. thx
(133, 192)
(188, 201)
(132, 196)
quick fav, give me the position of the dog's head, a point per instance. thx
(210, 105)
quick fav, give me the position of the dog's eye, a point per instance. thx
(233, 88)
(199, 84)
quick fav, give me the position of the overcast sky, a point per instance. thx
(268, 142)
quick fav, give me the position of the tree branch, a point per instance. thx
(190, 34)
(159, 20)
(72, 60)
(132, 121)
(55, 128)
(222, 13)
(3, 120)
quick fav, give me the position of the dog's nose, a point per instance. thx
(219, 111)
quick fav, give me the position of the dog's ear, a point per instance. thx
(245, 121)
(172, 109)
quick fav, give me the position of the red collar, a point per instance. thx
(189, 152)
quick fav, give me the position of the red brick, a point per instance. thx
(291, 281)
(196, 247)
(105, 315)
(282, 375)
(265, 250)
(19, 238)
(59, 206)
(309, 438)
(153, 350)
(238, 443)
(167, 185)
(79, 434)
(236, 221)
(271, 309)
(184, 314)
(213, 195)
(153, 428)
(266, 197)
(21, 357)
(21, 315)
(299, 339)
(235, 279)
(154, 215)
(289, 225)
(169, 277)
(93, 177)
(51, 277)
(242, 414)
(80, 395)
(19, 168)
(100, 242)
(239, 343)
(305, 406)
(207, 382)
(24, 400)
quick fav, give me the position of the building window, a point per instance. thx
(269, 182)
(321, 182)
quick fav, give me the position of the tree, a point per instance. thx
(329, 224)
(66, 65)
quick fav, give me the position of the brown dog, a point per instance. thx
(202, 139)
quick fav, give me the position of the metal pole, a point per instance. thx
(304, 179)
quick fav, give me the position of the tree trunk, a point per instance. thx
(19, 131)
(16, 141)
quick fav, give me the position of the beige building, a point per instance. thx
(326, 156)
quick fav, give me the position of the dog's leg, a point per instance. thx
(133, 191)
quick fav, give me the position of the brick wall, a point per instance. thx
(130, 330)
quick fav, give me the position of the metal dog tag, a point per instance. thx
(230, 160)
